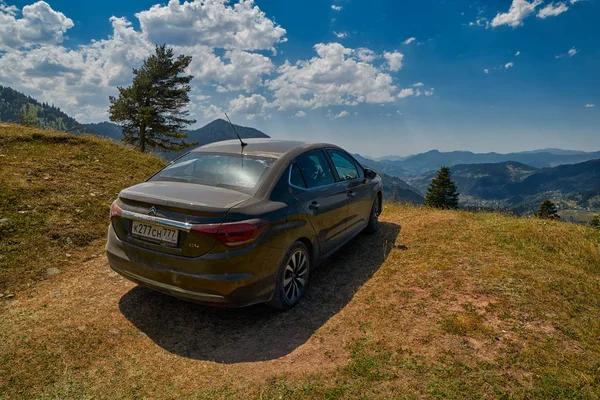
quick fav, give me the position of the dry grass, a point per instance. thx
(450, 305)
(55, 192)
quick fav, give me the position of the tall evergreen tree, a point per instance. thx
(547, 210)
(152, 110)
(595, 221)
(442, 191)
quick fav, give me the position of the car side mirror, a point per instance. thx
(370, 174)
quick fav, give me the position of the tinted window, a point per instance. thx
(359, 168)
(296, 178)
(232, 171)
(344, 164)
(315, 169)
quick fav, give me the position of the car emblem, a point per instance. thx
(152, 211)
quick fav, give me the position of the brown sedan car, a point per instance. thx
(233, 226)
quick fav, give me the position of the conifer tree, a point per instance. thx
(442, 191)
(595, 221)
(152, 110)
(547, 210)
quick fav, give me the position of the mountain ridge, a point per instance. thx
(431, 160)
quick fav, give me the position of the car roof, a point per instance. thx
(273, 148)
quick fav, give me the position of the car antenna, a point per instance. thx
(244, 144)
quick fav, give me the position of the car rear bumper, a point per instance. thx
(237, 279)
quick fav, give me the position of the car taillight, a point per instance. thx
(115, 210)
(233, 234)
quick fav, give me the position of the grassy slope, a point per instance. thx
(437, 304)
(55, 191)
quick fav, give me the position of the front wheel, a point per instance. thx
(292, 277)
(373, 225)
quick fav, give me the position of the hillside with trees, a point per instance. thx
(521, 188)
(397, 190)
(19, 108)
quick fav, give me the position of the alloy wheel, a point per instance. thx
(294, 277)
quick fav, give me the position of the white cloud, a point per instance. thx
(552, 10)
(300, 114)
(39, 24)
(409, 40)
(518, 53)
(341, 35)
(336, 8)
(509, 65)
(486, 71)
(336, 76)
(366, 55)
(80, 79)
(518, 11)
(244, 70)
(221, 36)
(341, 115)
(252, 106)
(418, 84)
(211, 112)
(429, 92)
(481, 21)
(394, 60)
(10, 10)
(406, 93)
(590, 105)
(213, 23)
(572, 51)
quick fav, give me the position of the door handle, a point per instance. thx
(351, 194)
(313, 206)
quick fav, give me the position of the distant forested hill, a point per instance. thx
(106, 129)
(396, 189)
(521, 188)
(15, 105)
(383, 166)
(214, 131)
(481, 181)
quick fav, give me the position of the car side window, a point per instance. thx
(359, 168)
(344, 164)
(314, 168)
(296, 178)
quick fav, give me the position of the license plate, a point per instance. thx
(154, 233)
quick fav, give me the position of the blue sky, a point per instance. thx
(505, 75)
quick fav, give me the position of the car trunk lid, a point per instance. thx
(173, 206)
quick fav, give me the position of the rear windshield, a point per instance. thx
(231, 171)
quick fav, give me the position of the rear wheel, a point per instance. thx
(373, 225)
(292, 277)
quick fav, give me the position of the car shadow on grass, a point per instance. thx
(258, 332)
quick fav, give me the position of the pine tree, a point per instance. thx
(547, 210)
(595, 222)
(442, 191)
(151, 110)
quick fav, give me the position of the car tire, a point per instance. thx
(292, 277)
(373, 225)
